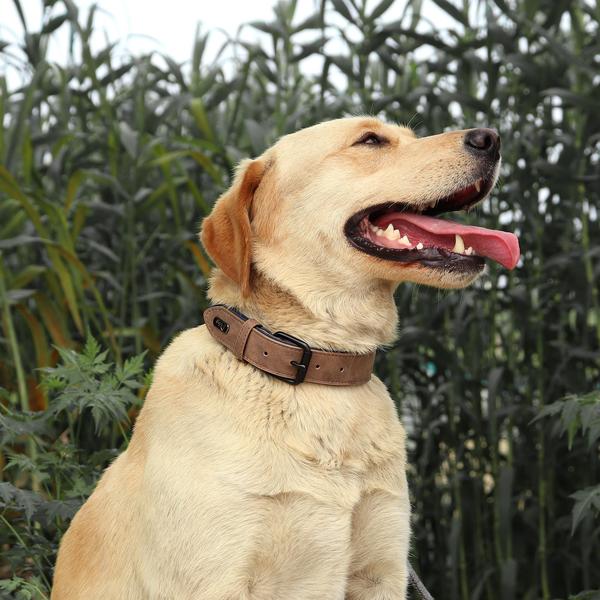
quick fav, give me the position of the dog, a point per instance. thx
(238, 484)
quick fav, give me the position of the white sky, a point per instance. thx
(167, 26)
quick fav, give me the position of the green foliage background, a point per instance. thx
(108, 163)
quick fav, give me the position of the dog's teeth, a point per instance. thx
(389, 232)
(459, 245)
(478, 185)
(404, 241)
(372, 227)
(419, 246)
(469, 251)
(395, 234)
(380, 232)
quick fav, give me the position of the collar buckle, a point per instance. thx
(302, 365)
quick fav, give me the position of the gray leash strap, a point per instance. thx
(417, 584)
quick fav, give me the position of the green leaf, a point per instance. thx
(587, 502)
(129, 139)
(54, 23)
(308, 49)
(72, 186)
(342, 9)
(315, 21)
(197, 108)
(272, 28)
(24, 501)
(381, 8)
(453, 11)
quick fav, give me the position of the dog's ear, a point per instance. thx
(226, 232)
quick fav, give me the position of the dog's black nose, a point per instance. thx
(483, 141)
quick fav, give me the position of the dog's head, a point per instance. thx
(352, 202)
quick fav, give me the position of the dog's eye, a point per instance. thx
(371, 139)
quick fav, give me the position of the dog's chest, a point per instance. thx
(325, 442)
(265, 437)
(266, 474)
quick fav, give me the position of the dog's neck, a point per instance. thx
(354, 320)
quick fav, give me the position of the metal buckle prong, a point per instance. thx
(302, 365)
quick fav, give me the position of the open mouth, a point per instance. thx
(411, 234)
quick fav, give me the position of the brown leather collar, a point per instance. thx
(282, 355)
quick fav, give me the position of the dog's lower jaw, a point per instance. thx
(356, 319)
(445, 279)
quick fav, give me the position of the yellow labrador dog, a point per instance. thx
(238, 485)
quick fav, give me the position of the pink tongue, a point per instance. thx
(501, 246)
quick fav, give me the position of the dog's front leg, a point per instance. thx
(380, 541)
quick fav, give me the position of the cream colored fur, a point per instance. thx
(236, 485)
